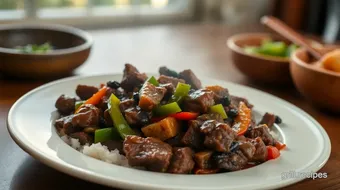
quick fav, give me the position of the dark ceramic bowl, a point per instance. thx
(71, 49)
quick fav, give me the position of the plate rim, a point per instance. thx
(83, 174)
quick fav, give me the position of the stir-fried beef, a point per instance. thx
(231, 161)
(107, 118)
(210, 116)
(199, 101)
(191, 79)
(168, 72)
(85, 92)
(193, 136)
(176, 141)
(218, 136)
(87, 116)
(203, 159)
(170, 88)
(83, 137)
(260, 154)
(219, 93)
(268, 119)
(167, 79)
(235, 100)
(263, 132)
(181, 143)
(132, 78)
(182, 161)
(126, 104)
(150, 96)
(151, 153)
(65, 104)
(105, 99)
(136, 116)
(247, 148)
(65, 129)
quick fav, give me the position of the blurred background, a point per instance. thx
(320, 17)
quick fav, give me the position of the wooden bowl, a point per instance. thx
(264, 69)
(71, 49)
(318, 85)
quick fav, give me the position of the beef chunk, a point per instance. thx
(235, 100)
(170, 89)
(263, 132)
(260, 154)
(168, 72)
(166, 79)
(150, 96)
(105, 99)
(176, 141)
(114, 144)
(107, 118)
(151, 153)
(83, 137)
(65, 104)
(247, 148)
(199, 101)
(218, 136)
(181, 162)
(126, 104)
(85, 92)
(132, 78)
(64, 126)
(210, 116)
(203, 159)
(268, 119)
(136, 116)
(191, 79)
(87, 116)
(193, 137)
(231, 161)
(219, 93)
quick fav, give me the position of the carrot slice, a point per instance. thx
(95, 99)
(243, 119)
(280, 145)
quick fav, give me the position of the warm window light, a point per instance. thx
(122, 2)
(79, 3)
(159, 3)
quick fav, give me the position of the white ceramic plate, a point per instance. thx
(30, 125)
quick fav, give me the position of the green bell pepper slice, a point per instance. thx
(218, 109)
(153, 81)
(102, 135)
(118, 119)
(181, 91)
(78, 104)
(167, 109)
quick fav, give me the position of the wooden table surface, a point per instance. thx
(199, 47)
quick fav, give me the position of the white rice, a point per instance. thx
(98, 151)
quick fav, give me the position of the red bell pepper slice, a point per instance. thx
(185, 115)
(273, 152)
